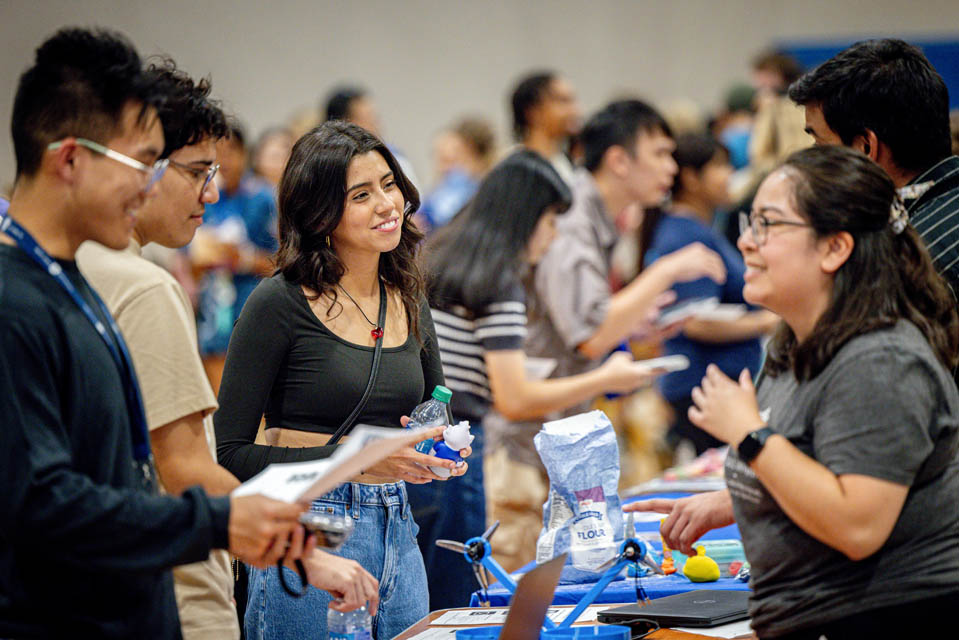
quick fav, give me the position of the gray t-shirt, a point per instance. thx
(884, 407)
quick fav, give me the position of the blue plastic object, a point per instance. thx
(478, 552)
(604, 631)
(479, 633)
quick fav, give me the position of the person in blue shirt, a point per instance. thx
(700, 188)
(231, 250)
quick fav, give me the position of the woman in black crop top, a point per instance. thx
(301, 354)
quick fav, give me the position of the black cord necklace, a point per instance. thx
(376, 332)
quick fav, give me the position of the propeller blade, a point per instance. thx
(480, 574)
(452, 545)
(648, 560)
(489, 532)
(606, 565)
(630, 526)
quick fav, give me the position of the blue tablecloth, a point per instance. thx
(624, 590)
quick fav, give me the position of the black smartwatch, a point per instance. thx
(753, 443)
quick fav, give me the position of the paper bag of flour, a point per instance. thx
(582, 515)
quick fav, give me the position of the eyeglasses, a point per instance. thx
(759, 225)
(153, 173)
(206, 175)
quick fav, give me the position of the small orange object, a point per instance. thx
(669, 567)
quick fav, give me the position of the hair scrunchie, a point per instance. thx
(898, 216)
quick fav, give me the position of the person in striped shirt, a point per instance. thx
(884, 98)
(476, 268)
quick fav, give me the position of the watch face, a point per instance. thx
(752, 444)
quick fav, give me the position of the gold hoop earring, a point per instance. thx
(328, 241)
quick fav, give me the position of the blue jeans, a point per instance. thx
(383, 542)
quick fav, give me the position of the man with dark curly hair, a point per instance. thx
(157, 321)
(87, 541)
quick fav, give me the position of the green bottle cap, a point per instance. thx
(442, 394)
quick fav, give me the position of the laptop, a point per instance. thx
(534, 594)
(699, 608)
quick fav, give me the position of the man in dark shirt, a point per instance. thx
(87, 543)
(883, 98)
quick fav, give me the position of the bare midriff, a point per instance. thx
(279, 437)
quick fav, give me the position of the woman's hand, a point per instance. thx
(689, 518)
(410, 465)
(349, 583)
(725, 408)
(621, 374)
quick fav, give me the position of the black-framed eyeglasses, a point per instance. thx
(759, 225)
(206, 175)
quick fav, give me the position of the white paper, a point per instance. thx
(305, 481)
(723, 313)
(437, 633)
(731, 630)
(497, 615)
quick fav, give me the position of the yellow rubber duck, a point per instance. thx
(701, 568)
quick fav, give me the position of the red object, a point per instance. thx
(734, 567)
(377, 333)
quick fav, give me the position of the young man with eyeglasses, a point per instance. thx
(157, 321)
(87, 542)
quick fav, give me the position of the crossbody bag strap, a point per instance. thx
(374, 368)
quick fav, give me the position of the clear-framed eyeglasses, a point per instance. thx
(199, 175)
(153, 173)
(759, 225)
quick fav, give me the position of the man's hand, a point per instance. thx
(689, 518)
(260, 529)
(349, 583)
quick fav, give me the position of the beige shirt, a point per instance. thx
(157, 322)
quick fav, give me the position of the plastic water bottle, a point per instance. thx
(352, 625)
(435, 412)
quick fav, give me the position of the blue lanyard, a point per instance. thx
(115, 343)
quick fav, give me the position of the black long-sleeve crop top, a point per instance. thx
(284, 363)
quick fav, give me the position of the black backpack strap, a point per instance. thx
(377, 351)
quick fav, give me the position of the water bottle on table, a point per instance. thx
(351, 625)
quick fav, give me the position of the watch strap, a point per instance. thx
(753, 443)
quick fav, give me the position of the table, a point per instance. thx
(623, 590)
(662, 634)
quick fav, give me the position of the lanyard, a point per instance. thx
(113, 340)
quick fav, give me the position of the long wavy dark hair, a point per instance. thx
(479, 255)
(887, 277)
(311, 197)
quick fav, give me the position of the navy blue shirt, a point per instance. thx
(674, 233)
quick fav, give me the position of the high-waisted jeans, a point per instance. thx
(383, 542)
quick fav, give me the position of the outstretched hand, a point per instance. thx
(689, 518)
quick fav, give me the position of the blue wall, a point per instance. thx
(943, 54)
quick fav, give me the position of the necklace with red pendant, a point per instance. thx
(377, 331)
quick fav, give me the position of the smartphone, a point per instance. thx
(667, 363)
(685, 309)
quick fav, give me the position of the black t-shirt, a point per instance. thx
(85, 543)
(284, 363)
